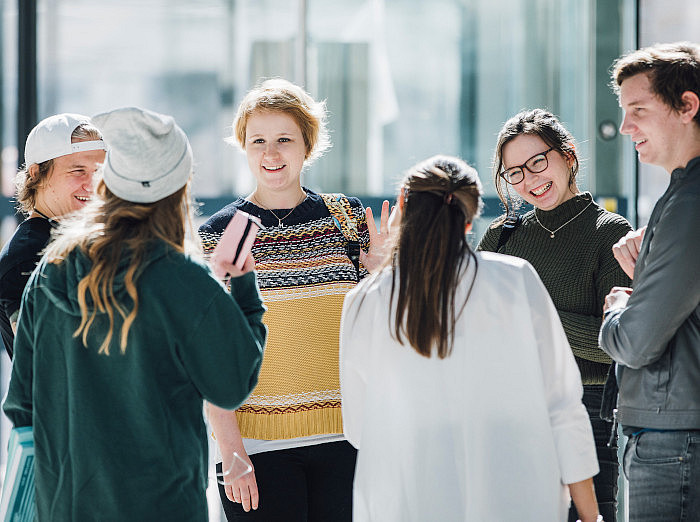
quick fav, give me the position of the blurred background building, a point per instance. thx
(403, 80)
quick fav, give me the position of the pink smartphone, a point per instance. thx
(236, 242)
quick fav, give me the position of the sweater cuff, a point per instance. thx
(245, 285)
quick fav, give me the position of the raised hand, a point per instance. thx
(626, 250)
(379, 241)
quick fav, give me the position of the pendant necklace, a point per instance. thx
(279, 219)
(552, 232)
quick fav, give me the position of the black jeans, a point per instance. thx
(307, 484)
(605, 482)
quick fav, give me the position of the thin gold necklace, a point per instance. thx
(552, 232)
(279, 219)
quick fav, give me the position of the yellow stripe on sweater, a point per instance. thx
(298, 388)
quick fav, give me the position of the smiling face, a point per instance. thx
(545, 190)
(275, 150)
(68, 186)
(655, 128)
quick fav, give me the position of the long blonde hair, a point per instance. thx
(104, 230)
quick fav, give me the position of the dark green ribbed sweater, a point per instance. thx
(576, 266)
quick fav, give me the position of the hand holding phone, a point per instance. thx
(235, 243)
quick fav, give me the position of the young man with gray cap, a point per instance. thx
(61, 154)
(123, 334)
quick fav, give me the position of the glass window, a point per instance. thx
(403, 80)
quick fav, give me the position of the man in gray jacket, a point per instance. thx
(653, 329)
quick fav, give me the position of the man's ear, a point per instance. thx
(33, 171)
(690, 107)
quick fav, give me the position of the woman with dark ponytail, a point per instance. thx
(443, 358)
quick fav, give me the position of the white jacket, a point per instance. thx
(490, 433)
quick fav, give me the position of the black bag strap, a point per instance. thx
(509, 226)
(608, 404)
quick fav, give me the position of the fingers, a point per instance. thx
(371, 225)
(617, 298)
(234, 271)
(609, 300)
(384, 218)
(245, 498)
(626, 259)
(228, 488)
(249, 264)
(378, 240)
(626, 250)
(244, 491)
(394, 217)
(624, 289)
(254, 497)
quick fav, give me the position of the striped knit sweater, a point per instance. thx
(304, 273)
(576, 266)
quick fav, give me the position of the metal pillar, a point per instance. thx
(27, 76)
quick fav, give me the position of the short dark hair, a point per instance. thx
(673, 68)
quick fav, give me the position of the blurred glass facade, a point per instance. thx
(403, 79)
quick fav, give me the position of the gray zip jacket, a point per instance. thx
(656, 338)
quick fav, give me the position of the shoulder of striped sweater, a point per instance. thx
(218, 221)
(354, 201)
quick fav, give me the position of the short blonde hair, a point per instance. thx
(278, 95)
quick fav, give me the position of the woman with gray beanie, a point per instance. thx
(122, 334)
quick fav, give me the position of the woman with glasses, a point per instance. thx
(568, 239)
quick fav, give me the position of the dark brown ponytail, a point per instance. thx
(442, 195)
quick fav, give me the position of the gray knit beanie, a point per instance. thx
(148, 157)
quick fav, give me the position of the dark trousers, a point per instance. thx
(307, 484)
(605, 482)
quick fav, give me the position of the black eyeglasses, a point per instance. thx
(535, 164)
